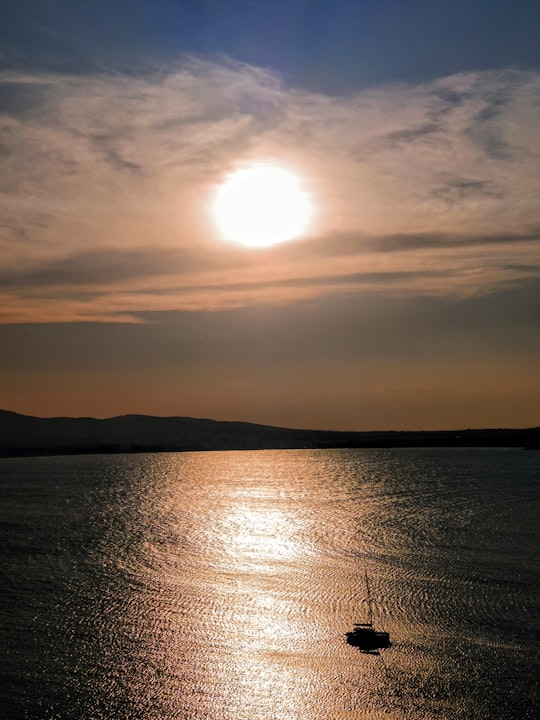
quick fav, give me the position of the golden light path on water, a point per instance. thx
(254, 540)
(251, 593)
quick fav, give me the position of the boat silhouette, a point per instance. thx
(364, 636)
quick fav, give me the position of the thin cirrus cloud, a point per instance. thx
(108, 179)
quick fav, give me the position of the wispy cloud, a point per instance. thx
(108, 179)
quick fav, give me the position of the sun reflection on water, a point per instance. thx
(260, 535)
(240, 585)
(255, 546)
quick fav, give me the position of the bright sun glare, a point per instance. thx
(261, 206)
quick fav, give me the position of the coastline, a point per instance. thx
(22, 435)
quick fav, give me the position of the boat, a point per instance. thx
(364, 635)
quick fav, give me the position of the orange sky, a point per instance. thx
(410, 302)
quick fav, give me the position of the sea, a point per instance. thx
(220, 585)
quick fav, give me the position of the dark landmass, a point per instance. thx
(22, 435)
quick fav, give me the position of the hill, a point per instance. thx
(28, 435)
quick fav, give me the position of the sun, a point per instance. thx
(261, 206)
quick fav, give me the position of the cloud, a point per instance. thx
(108, 180)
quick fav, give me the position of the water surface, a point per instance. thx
(219, 586)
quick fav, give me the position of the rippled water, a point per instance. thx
(219, 586)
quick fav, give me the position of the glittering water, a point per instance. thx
(219, 586)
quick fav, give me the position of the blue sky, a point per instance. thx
(334, 45)
(411, 301)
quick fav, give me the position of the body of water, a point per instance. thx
(219, 586)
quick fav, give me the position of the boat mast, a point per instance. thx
(370, 612)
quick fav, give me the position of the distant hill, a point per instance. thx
(27, 435)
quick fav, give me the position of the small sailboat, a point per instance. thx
(364, 635)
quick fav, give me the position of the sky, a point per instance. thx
(410, 301)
